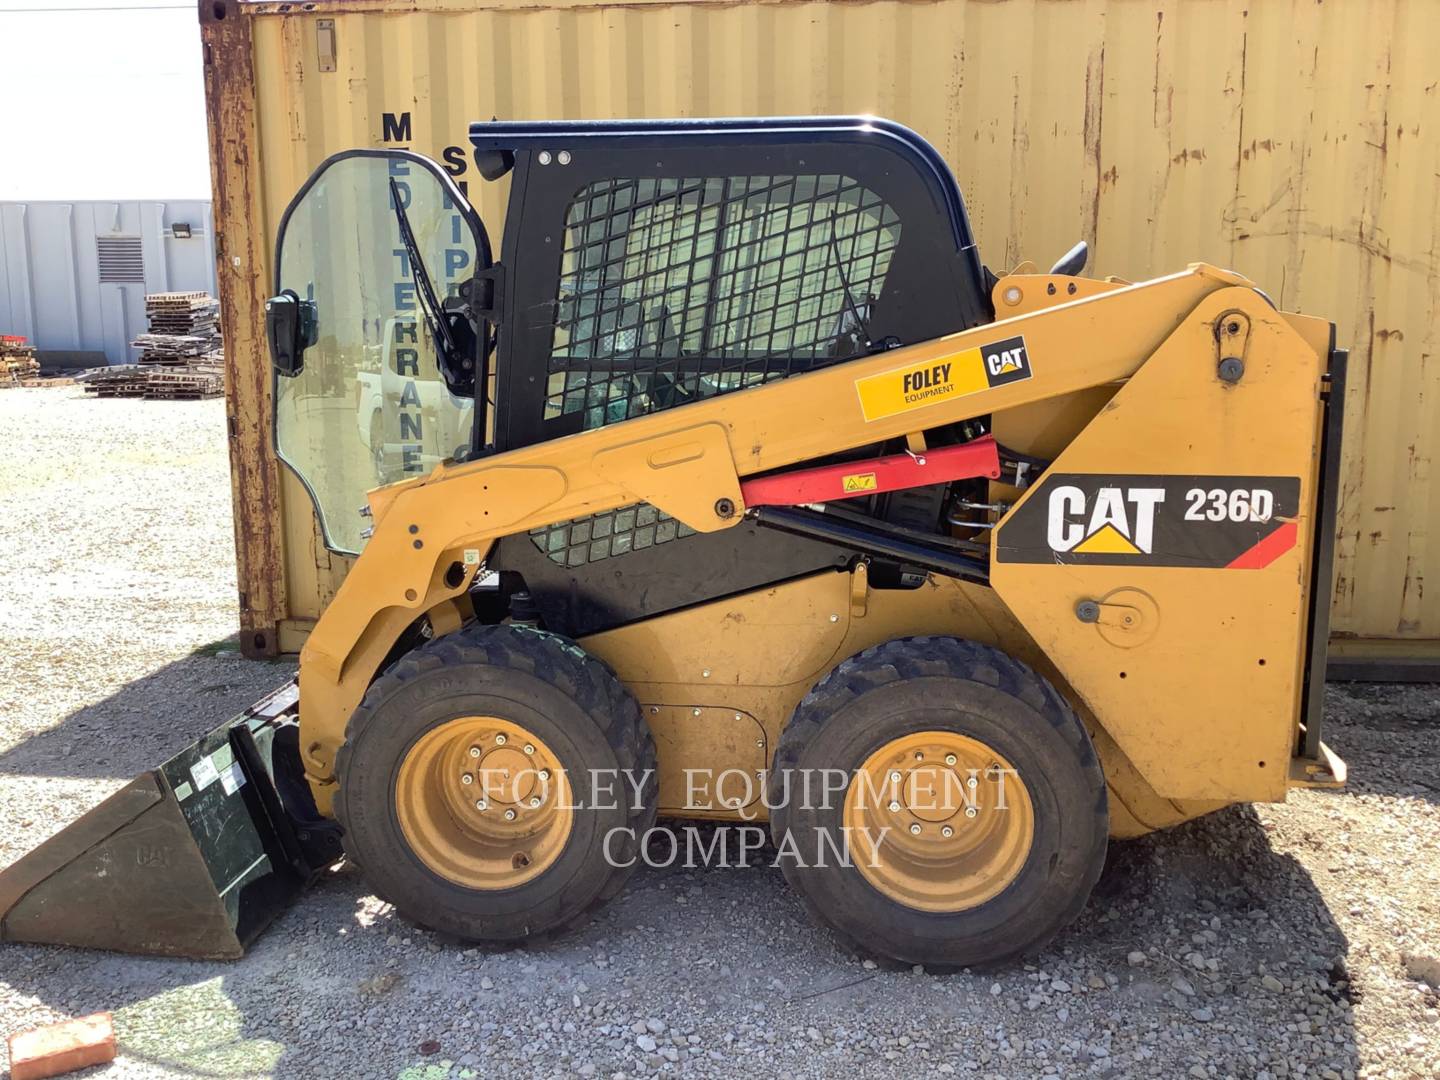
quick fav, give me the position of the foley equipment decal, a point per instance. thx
(901, 389)
(1235, 522)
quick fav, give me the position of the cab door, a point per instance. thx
(375, 356)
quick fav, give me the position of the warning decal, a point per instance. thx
(901, 389)
(1232, 522)
(858, 482)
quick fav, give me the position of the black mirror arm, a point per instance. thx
(1073, 261)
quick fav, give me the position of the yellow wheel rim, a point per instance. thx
(938, 821)
(484, 803)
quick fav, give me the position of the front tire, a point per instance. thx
(466, 792)
(983, 800)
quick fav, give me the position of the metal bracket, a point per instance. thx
(1125, 617)
(489, 306)
(325, 44)
(860, 589)
(1232, 338)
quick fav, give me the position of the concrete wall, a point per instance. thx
(50, 282)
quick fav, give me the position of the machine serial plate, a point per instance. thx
(916, 386)
(1234, 522)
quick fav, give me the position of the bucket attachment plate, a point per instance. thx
(193, 858)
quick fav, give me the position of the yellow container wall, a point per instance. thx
(1297, 142)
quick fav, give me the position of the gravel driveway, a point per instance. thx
(1276, 941)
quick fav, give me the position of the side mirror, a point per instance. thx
(1073, 261)
(290, 327)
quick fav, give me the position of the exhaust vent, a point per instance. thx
(122, 261)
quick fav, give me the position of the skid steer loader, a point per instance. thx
(738, 489)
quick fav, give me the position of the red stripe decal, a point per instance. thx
(1269, 548)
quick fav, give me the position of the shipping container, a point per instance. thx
(1292, 140)
(73, 275)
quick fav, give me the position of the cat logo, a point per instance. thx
(152, 855)
(1001, 362)
(1006, 361)
(1117, 521)
(931, 381)
(1147, 519)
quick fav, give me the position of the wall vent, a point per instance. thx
(122, 261)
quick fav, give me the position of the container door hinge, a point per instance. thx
(325, 43)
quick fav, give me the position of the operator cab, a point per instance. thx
(646, 264)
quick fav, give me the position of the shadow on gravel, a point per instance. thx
(340, 970)
(1242, 967)
(146, 721)
(1265, 938)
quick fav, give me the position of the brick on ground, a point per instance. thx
(61, 1048)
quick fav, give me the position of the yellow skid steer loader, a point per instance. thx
(739, 489)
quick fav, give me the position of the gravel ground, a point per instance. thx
(1275, 941)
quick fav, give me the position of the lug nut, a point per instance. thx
(481, 804)
(894, 808)
(544, 774)
(509, 815)
(970, 811)
(500, 740)
(529, 749)
(949, 759)
(895, 777)
(972, 782)
(466, 778)
(947, 832)
(534, 800)
(474, 751)
(914, 830)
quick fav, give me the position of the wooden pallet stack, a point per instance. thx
(183, 313)
(17, 361)
(180, 357)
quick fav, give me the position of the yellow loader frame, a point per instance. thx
(1123, 379)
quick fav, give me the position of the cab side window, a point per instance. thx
(673, 290)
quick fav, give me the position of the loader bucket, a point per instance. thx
(193, 858)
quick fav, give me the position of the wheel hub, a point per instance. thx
(938, 821)
(483, 802)
(506, 776)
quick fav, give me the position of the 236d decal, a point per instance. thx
(1236, 522)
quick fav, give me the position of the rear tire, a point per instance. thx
(932, 704)
(415, 836)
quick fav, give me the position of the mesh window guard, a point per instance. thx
(613, 532)
(672, 290)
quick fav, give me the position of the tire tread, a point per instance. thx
(929, 656)
(553, 659)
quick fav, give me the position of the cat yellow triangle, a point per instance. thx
(1107, 540)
